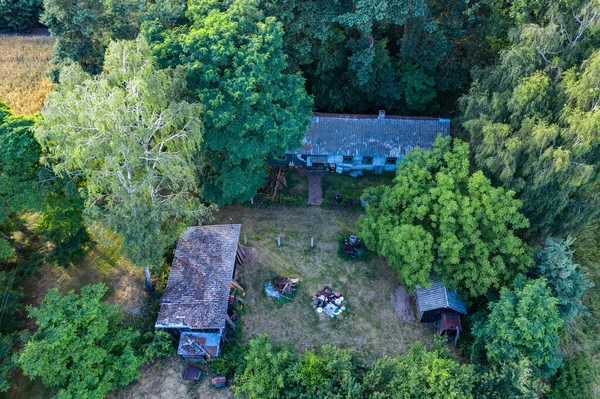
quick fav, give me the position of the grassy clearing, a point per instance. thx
(369, 325)
(351, 188)
(23, 62)
(103, 263)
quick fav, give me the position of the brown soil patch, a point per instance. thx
(402, 304)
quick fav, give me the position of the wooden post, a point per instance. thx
(245, 239)
(312, 242)
(252, 200)
(278, 240)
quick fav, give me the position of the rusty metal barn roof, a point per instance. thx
(438, 297)
(370, 135)
(198, 288)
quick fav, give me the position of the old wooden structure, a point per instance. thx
(437, 305)
(367, 142)
(195, 304)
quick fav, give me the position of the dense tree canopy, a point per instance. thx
(438, 217)
(273, 372)
(254, 110)
(83, 29)
(523, 324)
(19, 159)
(132, 141)
(405, 56)
(531, 117)
(80, 347)
(19, 15)
(421, 373)
(564, 277)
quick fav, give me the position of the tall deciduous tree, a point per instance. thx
(254, 110)
(132, 140)
(80, 346)
(523, 323)
(438, 217)
(531, 118)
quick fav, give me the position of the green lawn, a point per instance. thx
(369, 326)
(351, 188)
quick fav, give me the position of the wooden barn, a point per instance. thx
(441, 307)
(195, 303)
(368, 142)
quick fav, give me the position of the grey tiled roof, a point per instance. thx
(198, 288)
(368, 135)
(438, 297)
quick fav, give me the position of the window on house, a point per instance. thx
(280, 158)
(391, 161)
(348, 159)
(367, 160)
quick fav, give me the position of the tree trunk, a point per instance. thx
(149, 286)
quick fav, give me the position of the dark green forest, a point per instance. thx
(165, 111)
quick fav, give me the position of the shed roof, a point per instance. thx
(199, 283)
(192, 344)
(370, 135)
(438, 297)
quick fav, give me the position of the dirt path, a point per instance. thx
(315, 191)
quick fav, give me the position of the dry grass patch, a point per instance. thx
(163, 380)
(104, 263)
(370, 325)
(24, 59)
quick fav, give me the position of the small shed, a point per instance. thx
(195, 303)
(435, 304)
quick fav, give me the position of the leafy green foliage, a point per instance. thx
(264, 374)
(83, 29)
(405, 56)
(421, 373)
(438, 217)
(19, 157)
(271, 372)
(523, 324)
(574, 379)
(80, 346)
(6, 362)
(531, 118)
(509, 380)
(19, 15)
(133, 141)
(555, 263)
(253, 109)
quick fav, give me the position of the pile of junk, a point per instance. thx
(279, 286)
(353, 247)
(329, 302)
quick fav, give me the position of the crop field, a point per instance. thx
(24, 60)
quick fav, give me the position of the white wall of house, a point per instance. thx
(358, 163)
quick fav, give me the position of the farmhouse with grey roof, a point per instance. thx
(372, 142)
(195, 303)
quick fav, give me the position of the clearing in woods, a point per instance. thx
(24, 60)
(370, 324)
